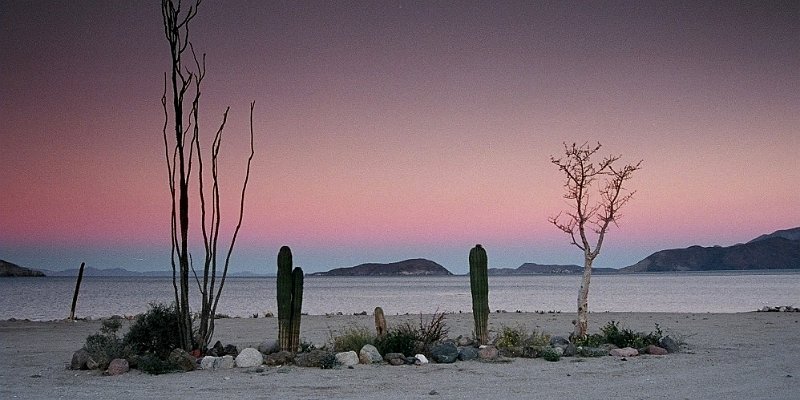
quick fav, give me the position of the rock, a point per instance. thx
(467, 353)
(312, 359)
(79, 359)
(92, 364)
(207, 363)
(269, 347)
(117, 366)
(569, 350)
(512, 351)
(445, 353)
(347, 358)
(182, 360)
(669, 344)
(248, 358)
(488, 353)
(369, 354)
(217, 350)
(231, 350)
(655, 350)
(280, 358)
(624, 352)
(420, 359)
(395, 358)
(559, 341)
(464, 341)
(591, 352)
(225, 362)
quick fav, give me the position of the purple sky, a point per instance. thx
(394, 130)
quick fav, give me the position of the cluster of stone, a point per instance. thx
(779, 309)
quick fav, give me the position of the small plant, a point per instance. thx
(550, 354)
(433, 331)
(105, 346)
(518, 336)
(151, 364)
(352, 339)
(613, 333)
(401, 339)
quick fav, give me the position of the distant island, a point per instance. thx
(778, 250)
(413, 267)
(11, 270)
(545, 269)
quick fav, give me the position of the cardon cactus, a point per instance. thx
(290, 301)
(380, 322)
(297, 306)
(479, 286)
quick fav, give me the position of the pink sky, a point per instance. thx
(396, 130)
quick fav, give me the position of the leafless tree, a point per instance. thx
(585, 215)
(180, 154)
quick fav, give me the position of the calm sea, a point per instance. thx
(50, 298)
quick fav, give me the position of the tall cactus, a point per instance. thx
(297, 307)
(290, 301)
(479, 286)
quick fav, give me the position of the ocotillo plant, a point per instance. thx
(290, 301)
(479, 285)
(380, 322)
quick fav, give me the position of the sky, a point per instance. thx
(391, 130)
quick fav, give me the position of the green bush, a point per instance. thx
(154, 365)
(613, 333)
(401, 339)
(353, 339)
(518, 336)
(105, 346)
(154, 332)
(550, 354)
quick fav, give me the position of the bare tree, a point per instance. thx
(584, 215)
(180, 154)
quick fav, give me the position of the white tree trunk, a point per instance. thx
(582, 323)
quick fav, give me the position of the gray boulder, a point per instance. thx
(395, 358)
(445, 352)
(592, 352)
(559, 341)
(488, 353)
(467, 353)
(316, 358)
(669, 344)
(369, 354)
(248, 358)
(624, 352)
(79, 359)
(347, 358)
(225, 362)
(282, 357)
(207, 363)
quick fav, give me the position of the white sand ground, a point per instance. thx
(729, 356)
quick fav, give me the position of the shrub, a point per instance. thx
(401, 339)
(151, 364)
(105, 346)
(613, 333)
(550, 354)
(154, 332)
(518, 337)
(410, 340)
(352, 339)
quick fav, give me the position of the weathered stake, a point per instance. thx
(75, 295)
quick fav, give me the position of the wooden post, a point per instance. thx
(77, 289)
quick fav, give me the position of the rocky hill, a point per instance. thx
(544, 269)
(413, 267)
(773, 251)
(8, 269)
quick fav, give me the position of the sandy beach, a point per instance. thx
(727, 356)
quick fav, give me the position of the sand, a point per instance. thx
(727, 356)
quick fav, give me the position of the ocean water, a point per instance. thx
(50, 298)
